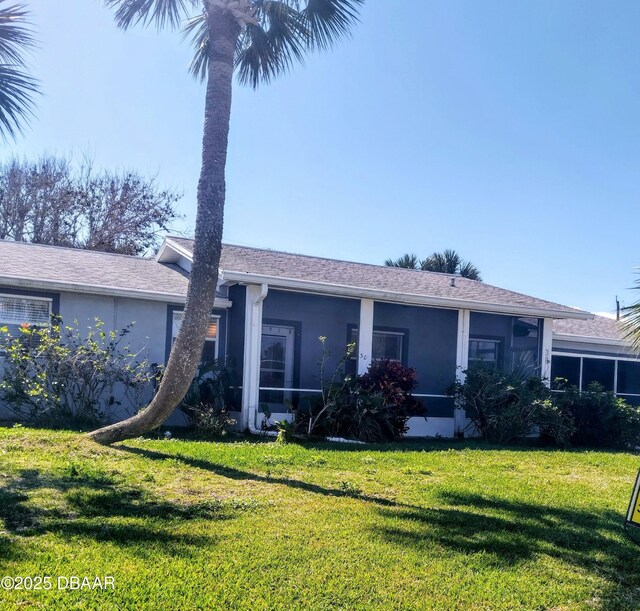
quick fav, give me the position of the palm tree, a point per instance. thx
(631, 322)
(448, 262)
(16, 87)
(407, 261)
(260, 39)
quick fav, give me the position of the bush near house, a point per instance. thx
(62, 376)
(601, 419)
(374, 407)
(208, 401)
(505, 407)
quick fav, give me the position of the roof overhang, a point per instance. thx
(165, 254)
(97, 289)
(171, 251)
(585, 339)
(293, 284)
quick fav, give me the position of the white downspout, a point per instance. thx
(251, 370)
(547, 346)
(462, 364)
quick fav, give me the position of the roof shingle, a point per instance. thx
(277, 264)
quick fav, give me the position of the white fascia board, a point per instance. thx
(177, 248)
(93, 289)
(565, 337)
(160, 258)
(404, 298)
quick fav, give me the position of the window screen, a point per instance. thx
(567, 367)
(598, 370)
(629, 377)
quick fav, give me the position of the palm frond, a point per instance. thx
(269, 48)
(408, 261)
(329, 20)
(469, 270)
(195, 29)
(15, 39)
(16, 100)
(162, 13)
(631, 322)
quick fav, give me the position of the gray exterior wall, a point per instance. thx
(431, 338)
(149, 317)
(147, 335)
(312, 316)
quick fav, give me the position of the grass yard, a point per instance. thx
(255, 525)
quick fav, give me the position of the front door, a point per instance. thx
(276, 367)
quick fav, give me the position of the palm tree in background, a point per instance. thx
(408, 261)
(17, 88)
(447, 262)
(259, 39)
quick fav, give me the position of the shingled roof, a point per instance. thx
(51, 267)
(286, 269)
(600, 327)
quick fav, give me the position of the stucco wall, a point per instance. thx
(147, 335)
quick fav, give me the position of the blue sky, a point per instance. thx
(509, 131)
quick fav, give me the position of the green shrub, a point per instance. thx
(507, 407)
(60, 376)
(374, 407)
(209, 399)
(601, 419)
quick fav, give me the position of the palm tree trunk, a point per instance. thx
(187, 350)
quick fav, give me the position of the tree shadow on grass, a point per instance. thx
(94, 506)
(508, 533)
(238, 474)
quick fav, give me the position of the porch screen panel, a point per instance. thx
(567, 368)
(598, 370)
(629, 377)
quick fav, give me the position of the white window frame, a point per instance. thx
(214, 317)
(400, 334)
(49, 300)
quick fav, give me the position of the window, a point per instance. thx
(387, 345)
(210, 350)
(484, 352)
(16, 311)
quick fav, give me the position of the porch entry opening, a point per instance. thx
(276, 367)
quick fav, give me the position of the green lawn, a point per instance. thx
(255, 525)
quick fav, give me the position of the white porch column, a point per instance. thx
(252, 345)
(462, 364)
(365, 335)
(545, 357)
(462, 352)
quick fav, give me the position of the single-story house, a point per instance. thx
(271, 307)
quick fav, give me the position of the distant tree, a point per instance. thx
(408, 261)
(17, 88)
(50, 201)
(448, 262)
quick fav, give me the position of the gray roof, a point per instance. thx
(599, 327)
(275, 264)
(36, 265)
